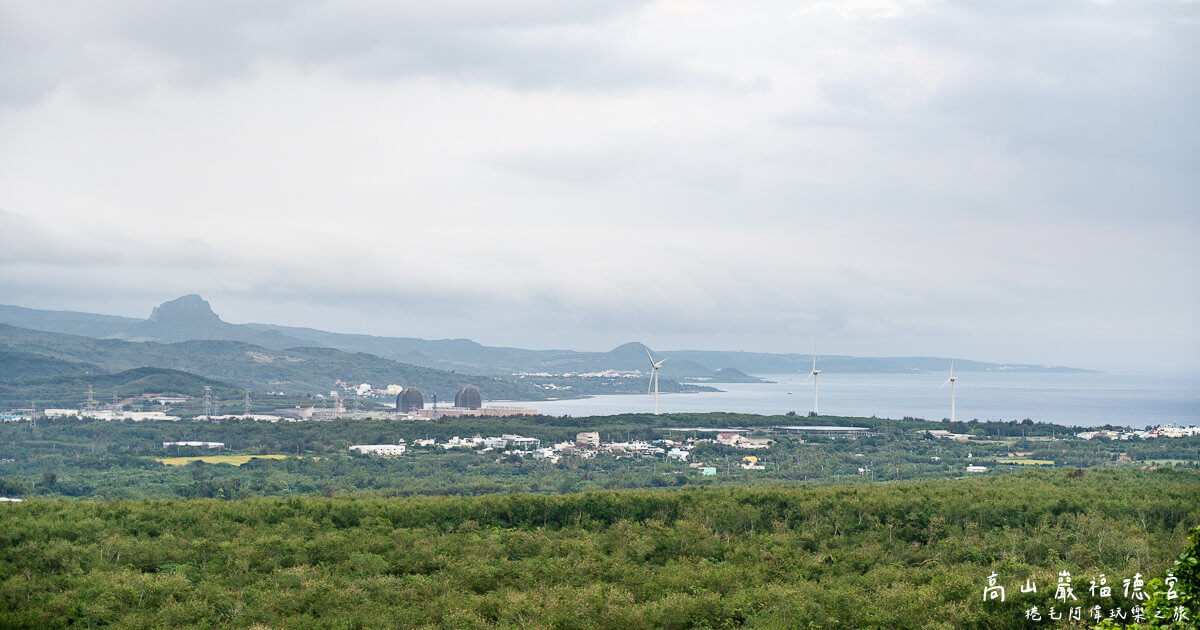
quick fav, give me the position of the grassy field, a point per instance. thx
(236, 460)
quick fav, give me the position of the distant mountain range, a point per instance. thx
(32, 357)
(190, 318)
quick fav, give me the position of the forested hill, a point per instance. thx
(293, 371)
(68, 390)
(20, 367)
(191, 318)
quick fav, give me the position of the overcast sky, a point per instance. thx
(1009, 181)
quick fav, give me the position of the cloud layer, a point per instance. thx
(1006, 181)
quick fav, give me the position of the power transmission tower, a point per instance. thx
(208, 401)
(90, 403)
(114, 407)
(246, 403)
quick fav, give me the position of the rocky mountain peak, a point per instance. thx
(189, 309)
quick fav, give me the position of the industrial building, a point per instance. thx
(257, 417)
(467, 402)
(410, 400)
(468, 398)
(458, 412)
(108, 414)
(824, 430)
(379, 449)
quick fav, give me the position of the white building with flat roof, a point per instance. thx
(474, 442)
(822, 430)
(517, 441)
(379, 449)
(257, 417)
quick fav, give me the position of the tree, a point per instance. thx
(1174, 605)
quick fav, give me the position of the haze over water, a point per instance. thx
(1068, 399)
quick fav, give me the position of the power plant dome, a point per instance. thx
(468, 398)
(410, 400)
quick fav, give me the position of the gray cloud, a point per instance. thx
(1012, 180)
(122, 46)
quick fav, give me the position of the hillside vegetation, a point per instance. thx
(191, 318)
(901, 555)
(68, 391)
(22, 367)
(293, 371)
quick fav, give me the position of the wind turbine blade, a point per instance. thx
(806, 378)
(659, 364)
(650, 387)
(944, 384)
(648, 355)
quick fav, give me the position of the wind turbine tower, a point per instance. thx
(815, 374)
(654, 368)
(953, 381)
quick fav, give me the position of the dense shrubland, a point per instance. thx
(897, 555)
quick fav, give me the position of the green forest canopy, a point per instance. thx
(897, 555)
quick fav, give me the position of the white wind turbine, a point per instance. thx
(815, 374)
(953, 381)
(654, 368)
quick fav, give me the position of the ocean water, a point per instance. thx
(1069, 399)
